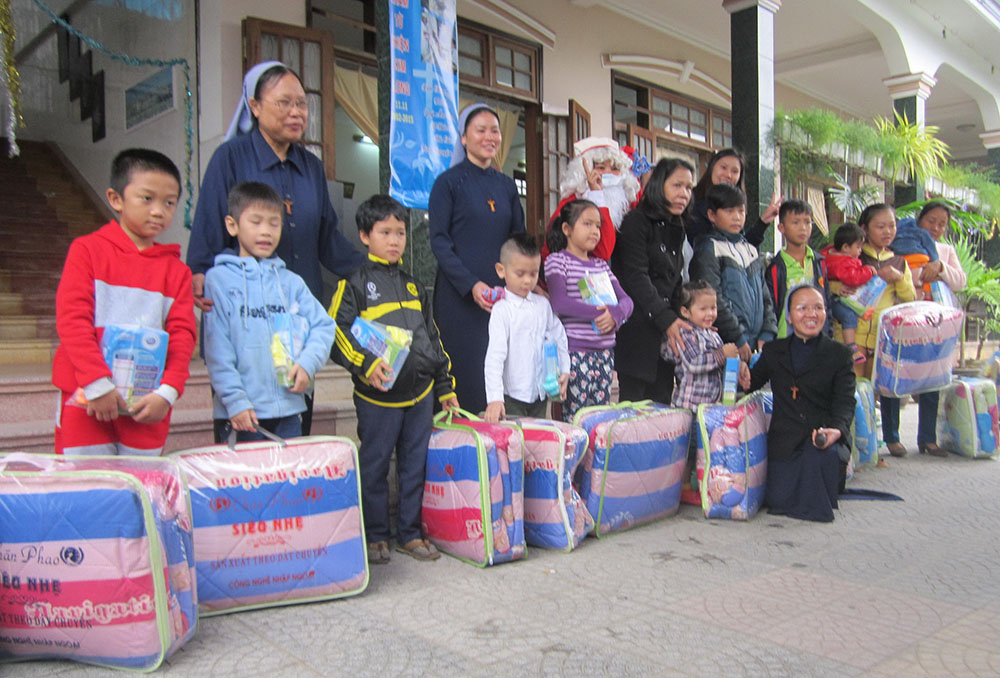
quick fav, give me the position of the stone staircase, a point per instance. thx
(42, 210)
(28, 407)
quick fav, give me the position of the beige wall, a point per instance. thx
(221, 54)
(573, 70)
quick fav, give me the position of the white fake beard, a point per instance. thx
(617, 202)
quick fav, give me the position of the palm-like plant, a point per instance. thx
(911, 147)
(983, 285)
(850, 201)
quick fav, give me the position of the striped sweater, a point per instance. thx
(563, 273)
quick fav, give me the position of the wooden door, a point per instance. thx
(579, 123)
(308, 52)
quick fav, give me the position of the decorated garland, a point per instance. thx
(135, 61)
(11, 78)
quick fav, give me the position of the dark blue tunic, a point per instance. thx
(309, 235)
(472, 212)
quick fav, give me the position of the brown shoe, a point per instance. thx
(896, 449)
(931, 449)
(421, 549)
(378, 552)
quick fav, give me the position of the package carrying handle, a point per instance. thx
(231, 439)
(43, 463)
(447, 415)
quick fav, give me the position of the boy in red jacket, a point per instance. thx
(844, 268)
(117, 276)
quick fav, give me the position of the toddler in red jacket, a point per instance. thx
(117, 282)
(845, 270)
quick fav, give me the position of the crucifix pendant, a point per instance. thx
(288, 205)
(492, 205)
(795, 392)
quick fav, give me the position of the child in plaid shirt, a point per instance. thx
(699, 367)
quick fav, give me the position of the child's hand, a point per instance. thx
(890, 274)
(107, 407)
(381, 374)
(604, 322)
(301, 378)
(150, 409)
(495, 411)
(744, 352)
(730, 351)
(245, 421)
(563, 383)
(450, 404)
(744, 376)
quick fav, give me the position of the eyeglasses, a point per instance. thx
(285, 105)
(802, 308)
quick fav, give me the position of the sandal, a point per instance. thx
(378, 552)
(896, 449)
(931, 449)
(421, 549)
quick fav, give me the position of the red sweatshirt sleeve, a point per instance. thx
(180, 326)
(75, 317)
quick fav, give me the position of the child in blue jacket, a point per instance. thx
(255, 298)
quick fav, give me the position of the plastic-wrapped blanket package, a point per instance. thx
(915, 348)
(865, 428)
(732, 468)
(967, 418)
(632, 471)
(96, 560)
(555, 516)
(276, 524)
(474, 491)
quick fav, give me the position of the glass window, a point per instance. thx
(269, 50)
(290, 50)
(505, 76)
(311, 69)
(680, 111)
(470, 66)
(661, 105)
(661, 122)
(697, 118)
(522, 81)
(467, 44)
(522, 62)
(503, 56)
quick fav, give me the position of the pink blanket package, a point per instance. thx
(276, 524)
(732, 467)
(96, 560)
(474, 490)
(915, 350)
(631, 473)
(555, 516)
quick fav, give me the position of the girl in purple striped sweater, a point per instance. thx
(586, 296)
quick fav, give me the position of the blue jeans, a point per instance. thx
(843, 314)
(927, 418)
(407, 430)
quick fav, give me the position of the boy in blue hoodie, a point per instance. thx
(256, 297)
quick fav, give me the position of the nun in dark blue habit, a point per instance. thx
(473, 209)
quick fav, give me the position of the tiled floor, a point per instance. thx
(889, 589)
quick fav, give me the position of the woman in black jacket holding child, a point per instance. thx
(649, 263)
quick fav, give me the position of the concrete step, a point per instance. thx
(28, 403)
(31, 352)
(27, 327)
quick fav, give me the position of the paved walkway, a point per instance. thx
(889, 589)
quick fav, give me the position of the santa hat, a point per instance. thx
(592, 143)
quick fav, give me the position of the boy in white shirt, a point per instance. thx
(520, 325)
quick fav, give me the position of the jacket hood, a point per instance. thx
(253, 267)
(115, 234)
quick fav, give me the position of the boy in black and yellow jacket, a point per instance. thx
(399, 417)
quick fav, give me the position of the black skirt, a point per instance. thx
(805, 485)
